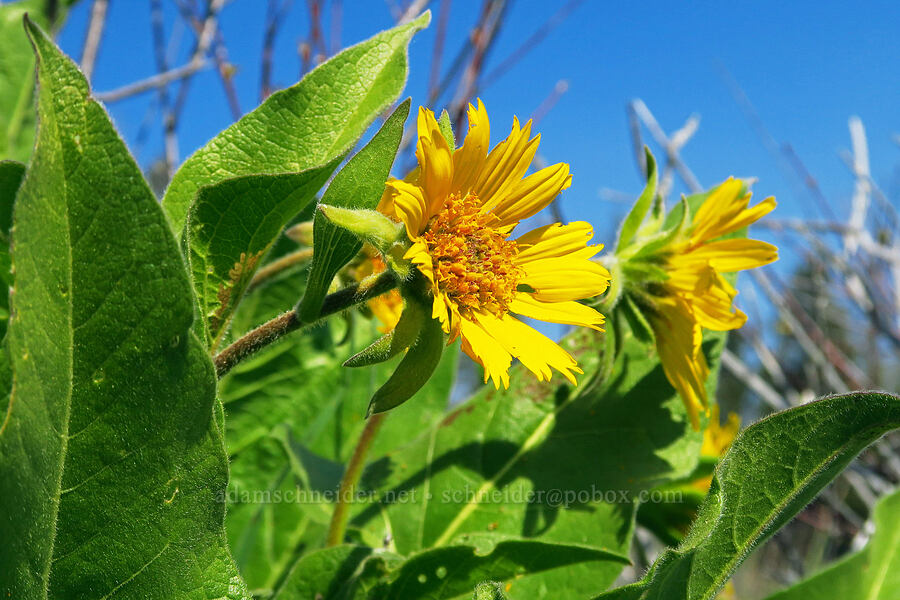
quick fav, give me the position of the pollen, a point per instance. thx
(474, 262)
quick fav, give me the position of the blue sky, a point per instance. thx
(806, 67)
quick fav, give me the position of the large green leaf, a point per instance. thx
(230, 228)
(772, 470)
(111, 454)
(359, 185)
(294, 414)
(870, 574)
(542, 461)
(305, 126)
(346, 572)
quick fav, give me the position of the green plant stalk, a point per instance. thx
(341, 514)
(274, 330)
(287, 261)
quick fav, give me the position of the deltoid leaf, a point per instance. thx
(358, 185)
(305, 126)
(873, 573)
(772, 470)
(231, 226)
(294, 414)
(111, 454)
(347, 572)
(539, 461)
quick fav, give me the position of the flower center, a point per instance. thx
(474, 263)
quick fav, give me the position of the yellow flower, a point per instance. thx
(716, 440)
(695, 295)
(459, 209)
(718, 436)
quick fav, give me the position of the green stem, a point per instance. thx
(278, 266)
(280, 326)
(341, 514)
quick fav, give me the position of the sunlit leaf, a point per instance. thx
(111, 455)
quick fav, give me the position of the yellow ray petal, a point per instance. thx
(532, 194)
(722, 205)
(468, 160)
(567, 313)
(418, 254)
(712, 312)
(678, 341)
(537, 352)
(743, 218)
(409, 204)
(554, 240)
(506, 164)
(481, 347)
(567, 278)
(434, 157)
(727, 256)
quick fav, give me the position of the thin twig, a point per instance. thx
(436, 54)
(151, 83)
(220, 55)
(412, 11)
(93, 37)
(671, 146)
(203, 42)
(809, 346)
(782, 153)
(274, 13)
(530, 43)
(561, 87)
(482, 40)
(745, 374)
(860, 166)
(334, 35)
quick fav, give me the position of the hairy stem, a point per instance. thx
(277, 266)
(282, 325)
(349, 481)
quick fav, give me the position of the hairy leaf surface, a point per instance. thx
(305, 126)
(111, 454)
(772, 470)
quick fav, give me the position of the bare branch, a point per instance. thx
(745, 374)
(482, 39)
(152, 83)
(530, 43)
(93, 37)
(860, 205)
(415, 8)
(334, 35)
(437, 53)
(561, 87)
(220, 54)
(671, 146)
